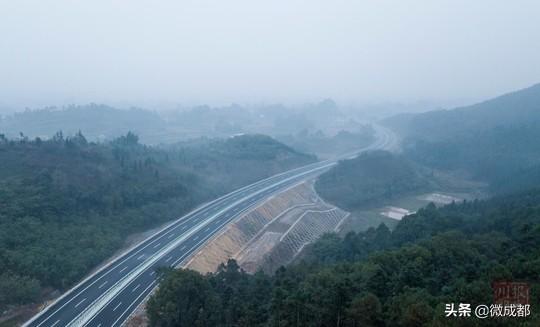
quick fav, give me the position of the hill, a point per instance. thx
(509, 110)
(495, 141)
(68, 204)
(238, 160)
(97, 122)
(506, 157)
(370, 178)
(377, 277)
(326, 146)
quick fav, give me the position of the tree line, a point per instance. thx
(67, 203)
(378, 277)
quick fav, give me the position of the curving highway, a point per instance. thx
(110, 295)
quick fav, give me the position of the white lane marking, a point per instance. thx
(136, 299)
(56, 323)
(105, 282)
(170, 236)
(168, 259)
(97, 304)
(185, 255)
(140, 257)
(204, 239)
(116, 263)
(126, 267)
(207, 229)
(152, 273)
(196, 237)
(135, 288)
(173, 225)
(189, 252)
(116, 307)
(76, 305)
(155, 246)
(126, 256)
(99, 325)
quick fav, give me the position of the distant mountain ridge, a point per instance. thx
(100, 122)
(509, 110)
(96, 121)
(497, 141)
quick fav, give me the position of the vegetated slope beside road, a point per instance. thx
(374, 278)
(67, 204)
(272, 233)
(238, 160)
(370, 178)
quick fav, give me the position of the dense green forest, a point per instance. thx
(377, 277)
(235, 161)
(369, 178)
(406, 276)
(512, 109)
(496, 141)
(67, 204)
(506, 157)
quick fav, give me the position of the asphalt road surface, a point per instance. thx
(109, 296)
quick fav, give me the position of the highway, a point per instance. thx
(110, 295)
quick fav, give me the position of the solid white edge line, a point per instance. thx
(192, 250)
(83, 317)
(137, 298)
(181, 219)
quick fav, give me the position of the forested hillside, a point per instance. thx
(370, 178)
(67, 204)
(512, 109)
(406, 276)
(235, 161)
(375, 278)
(506, 157)
(98, 122)
(496, 141)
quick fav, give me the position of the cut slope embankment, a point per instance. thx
(273, 233)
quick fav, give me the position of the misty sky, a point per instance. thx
(217, 52)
